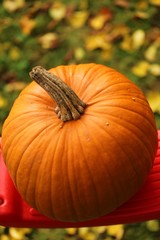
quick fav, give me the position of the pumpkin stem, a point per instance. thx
(69, 106)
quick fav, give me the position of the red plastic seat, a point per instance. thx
(145, 205)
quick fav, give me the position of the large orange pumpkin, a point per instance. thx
(79, 156)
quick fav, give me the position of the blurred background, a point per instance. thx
(122, 34)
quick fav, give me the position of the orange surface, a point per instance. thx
(145, 205)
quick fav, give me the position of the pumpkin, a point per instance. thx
(79, 141)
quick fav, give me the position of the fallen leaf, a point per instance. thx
(138, 38)
(122, 3)
(153, 35)
(153, 98)
(4, 237)
(79, 53)
(3, 102)
(126, 43)
(13, 5)
(18, 233)
(142, 15)
(153, 225)
(82, 232)
(98, 21)
(155, 69)
(38, 7)
(2, 228)
(133, 41)
(120, 30)
(116, 231)
(49, 40)
(99, 230)
(95, 41)
(141, 69)
(57, 11)
(151, 52)
(142, 5)
(89, 236)
(71, 231)
(107, 54)
(15, 53)
(155, 2)
(14, 86)
(27, 25)
(78, 18)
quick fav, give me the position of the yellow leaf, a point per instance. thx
(98, 22)
(116, 231)
(14, 86)
(71, 231)
(153, 98)
(142, 5)
(151, 52)
(99, 230)
(78, 19)
(27, 25)
(82, 232)
(79, 53)
(97, 41)
(17, 233)
(142, 15)
(138, 38)
(57, 11)
(2, 228)
(122, 3)
(107, 54)
(153, 225)
(141, 69)
(155, 2)
(15, 53)
(134, 41)
(13, 5)
(3, 102)
(49, 40)
(26, 230)
(4, 237)
(120, 30)
(126, 44)
(155, 69)
(89, 236)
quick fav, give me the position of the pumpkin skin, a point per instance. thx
(83, 169)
